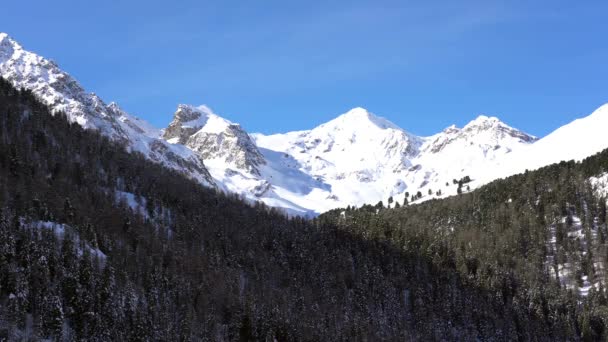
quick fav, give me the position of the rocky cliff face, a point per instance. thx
(187, 120)
(213, 137)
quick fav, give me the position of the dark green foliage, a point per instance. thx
(195, 264)
(498, 238)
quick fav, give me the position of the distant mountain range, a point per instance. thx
(354, 159)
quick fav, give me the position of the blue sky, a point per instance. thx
(275, 66)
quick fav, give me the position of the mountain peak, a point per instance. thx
(201, 117)
(358, 112)
(360, 119)
(8, 45)
(197, 117)
(185, 113)
(482, 131)
(484, 121)
(189, 119)
(214, 138)
(5, 38)
(492, 127)
(113, 106)
(194, 110)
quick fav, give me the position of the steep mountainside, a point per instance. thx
(216, 139)
(362, 158)
(356, 158)
(577, 140)
(456, 153)
(62, 93)
(99, 244)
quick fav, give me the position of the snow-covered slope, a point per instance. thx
(575, 141)
(62, 93)
(353, 159)
(459, 152)
(361, 158)
(230, 155)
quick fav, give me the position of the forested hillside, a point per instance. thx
(535, 240)
(100, 244)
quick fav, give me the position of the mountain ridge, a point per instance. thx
(62, 93)
(353, 159)
(131, 250)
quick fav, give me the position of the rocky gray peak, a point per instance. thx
(233, 146)
(187, 113)
(187, 120)
(213, 137)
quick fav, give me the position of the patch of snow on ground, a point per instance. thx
(131, 201)
(60, 229)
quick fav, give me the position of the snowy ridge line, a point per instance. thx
(62, 93)
(354, 159)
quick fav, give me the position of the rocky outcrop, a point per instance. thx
(213, 137)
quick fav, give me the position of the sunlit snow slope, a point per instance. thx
(575, 141)
(362, 158)
(354, 159)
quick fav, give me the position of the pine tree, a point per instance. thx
(52, 314)
(68, 210)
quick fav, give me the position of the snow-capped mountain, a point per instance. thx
(353, 159)
(357, 157)
(575, 141)
(361, 158)
(459, 152)
(62, 93)
(214, 138)
(366, 143)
